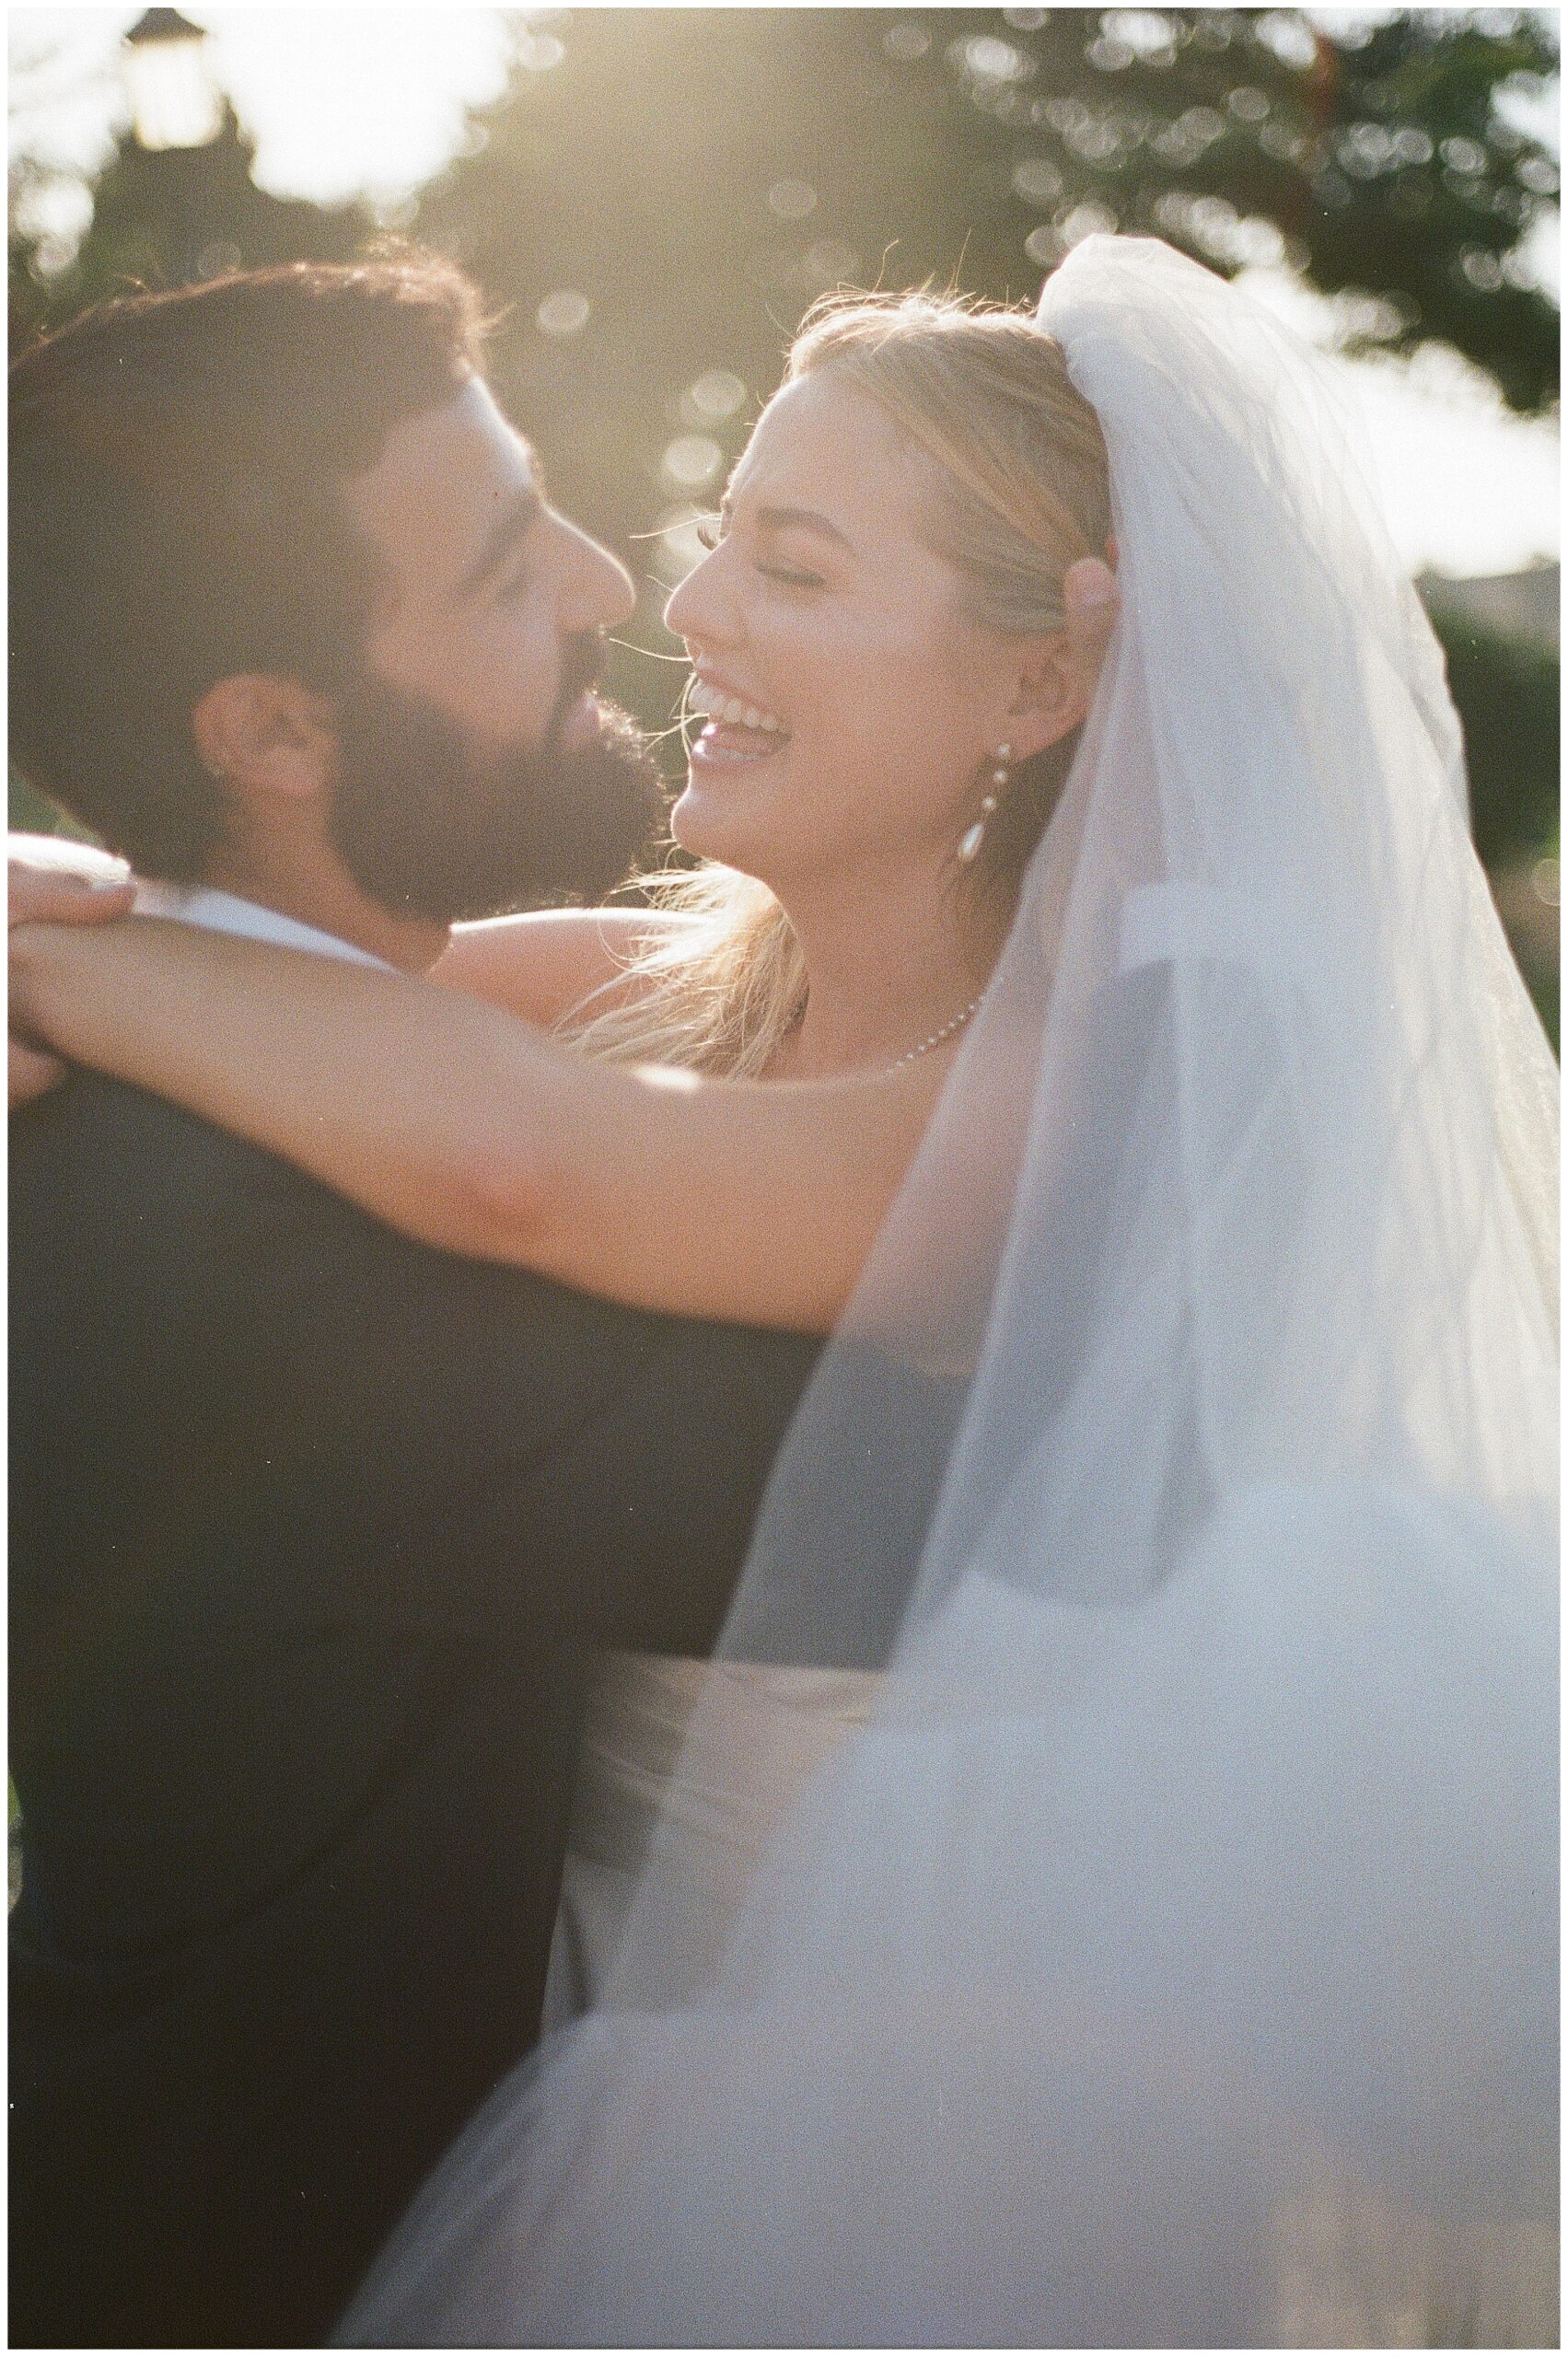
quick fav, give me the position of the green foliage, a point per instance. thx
(30, 812)
(1507, 692)
(1438, 238)
(698, 177)
(166, 219)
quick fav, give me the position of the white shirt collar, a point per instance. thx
(200, 904)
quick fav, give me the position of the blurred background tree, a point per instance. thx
(661, 193)
(176, 202)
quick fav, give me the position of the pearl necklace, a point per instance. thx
(958, 1022)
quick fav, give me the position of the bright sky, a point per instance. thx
(345, 98)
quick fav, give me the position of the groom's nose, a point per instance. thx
(595, 590)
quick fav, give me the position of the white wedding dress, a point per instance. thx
(1351, 2269)
(775, 1727)
(1103, 1891)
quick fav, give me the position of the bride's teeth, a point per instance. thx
(729, 711)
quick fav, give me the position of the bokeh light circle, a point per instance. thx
(792, 200)
(718, 392)
(691, 461)
(1036, 180)
(564, 313)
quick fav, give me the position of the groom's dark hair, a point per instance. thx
(174, 466)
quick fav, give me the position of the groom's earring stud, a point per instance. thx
(968, 849)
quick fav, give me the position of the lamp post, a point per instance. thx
(178, 202)
(174, 101)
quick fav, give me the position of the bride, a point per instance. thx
(1100, 1891)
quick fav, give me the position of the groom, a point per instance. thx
(314, 1529)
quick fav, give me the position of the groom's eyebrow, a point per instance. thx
(514, 523)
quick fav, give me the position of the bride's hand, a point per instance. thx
(53, 882)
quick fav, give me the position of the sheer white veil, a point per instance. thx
(1187, 1462)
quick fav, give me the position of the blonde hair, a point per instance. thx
(1018, 490)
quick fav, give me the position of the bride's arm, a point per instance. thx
(539, 965)
(542, 965)
(54, 882)
(469, 1130)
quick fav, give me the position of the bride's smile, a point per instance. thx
(736, 729)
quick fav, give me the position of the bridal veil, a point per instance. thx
(1169, 1959)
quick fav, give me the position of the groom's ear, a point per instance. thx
(262, 735)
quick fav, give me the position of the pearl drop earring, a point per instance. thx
(968, 849)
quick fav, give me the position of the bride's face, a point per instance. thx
(823, 616)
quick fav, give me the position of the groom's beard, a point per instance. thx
(428, 829)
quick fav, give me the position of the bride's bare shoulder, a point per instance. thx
(542, 964)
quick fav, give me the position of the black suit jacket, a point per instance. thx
(314, 1530)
